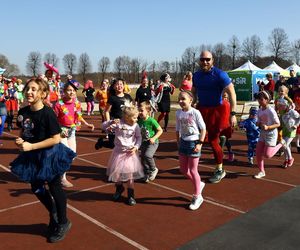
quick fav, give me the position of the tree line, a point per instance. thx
(227, 56)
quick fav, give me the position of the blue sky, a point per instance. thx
(151, 30)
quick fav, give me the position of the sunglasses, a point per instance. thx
(205, 59)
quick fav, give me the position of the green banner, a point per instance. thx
(242, 81)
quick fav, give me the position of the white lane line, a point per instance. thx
(86, 138)
(91, 162)
(69, 194)
(106, 228)
(177, 191)
(95, 153)
(19, 206)
(233, 172)
(207, 200)
(5, 168)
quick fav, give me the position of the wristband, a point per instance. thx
(232, 113)
(200, 142)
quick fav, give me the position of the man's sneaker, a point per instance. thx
(260, 175)
(99, 144)
(231, 157)
(196, 202)
(250, 161)
(218, 176)
(290, 162)
(153, 174)
(60, 232)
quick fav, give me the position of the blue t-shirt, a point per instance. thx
(209, 86)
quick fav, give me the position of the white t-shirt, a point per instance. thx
(189, 123)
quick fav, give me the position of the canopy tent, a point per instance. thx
(247, 66)
(294, 66)
(245, 80)
(277, 70)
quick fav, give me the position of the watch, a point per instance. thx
(232, 113)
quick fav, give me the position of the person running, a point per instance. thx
(252, 133)
(190, 135)
(268, 122)
(43, 159)
(208, 85)
(151, 131)
(102, 97)
(68, 111)
(226, 133)
(88, 92)
(124, 164)
(290, 121)
(163, 93)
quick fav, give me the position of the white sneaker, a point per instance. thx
(260, 175)
(196, 202)
(153, 174)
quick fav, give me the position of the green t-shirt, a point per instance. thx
(148, 128)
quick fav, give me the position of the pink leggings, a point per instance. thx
(189, 167)
(90, 106)
(263, 150)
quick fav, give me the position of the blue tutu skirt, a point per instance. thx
(43, 164)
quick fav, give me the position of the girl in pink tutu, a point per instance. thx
(124, 164)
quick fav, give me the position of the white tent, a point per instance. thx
(247, 66)
(295, 67)
(245, 80)
(274, 67)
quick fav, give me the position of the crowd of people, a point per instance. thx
(49, 114)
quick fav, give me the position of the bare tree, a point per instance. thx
(70, 62)
(11, 69)
(51, 58)
(252, 48)
(218, 52)
(189, 59)
(138, 65)
(127, 67)
(84, 65)
(122, 65)
(233, 49)
(103, 65)
(278, 44)
(204, 47)
(33, 64)
(295, 51)
(152, 68)
(164, 66)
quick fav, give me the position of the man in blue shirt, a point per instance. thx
(208, 85)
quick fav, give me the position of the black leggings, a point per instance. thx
(54, 199)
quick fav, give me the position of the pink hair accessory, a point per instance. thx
(51, 67)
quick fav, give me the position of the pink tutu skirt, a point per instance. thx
(123, 167)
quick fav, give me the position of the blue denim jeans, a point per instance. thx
(187, 148)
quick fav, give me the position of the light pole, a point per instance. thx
(233, 54)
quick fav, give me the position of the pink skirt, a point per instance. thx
(123, 167)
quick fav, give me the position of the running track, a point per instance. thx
(160, 220)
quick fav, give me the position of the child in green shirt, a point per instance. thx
(151, 131)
